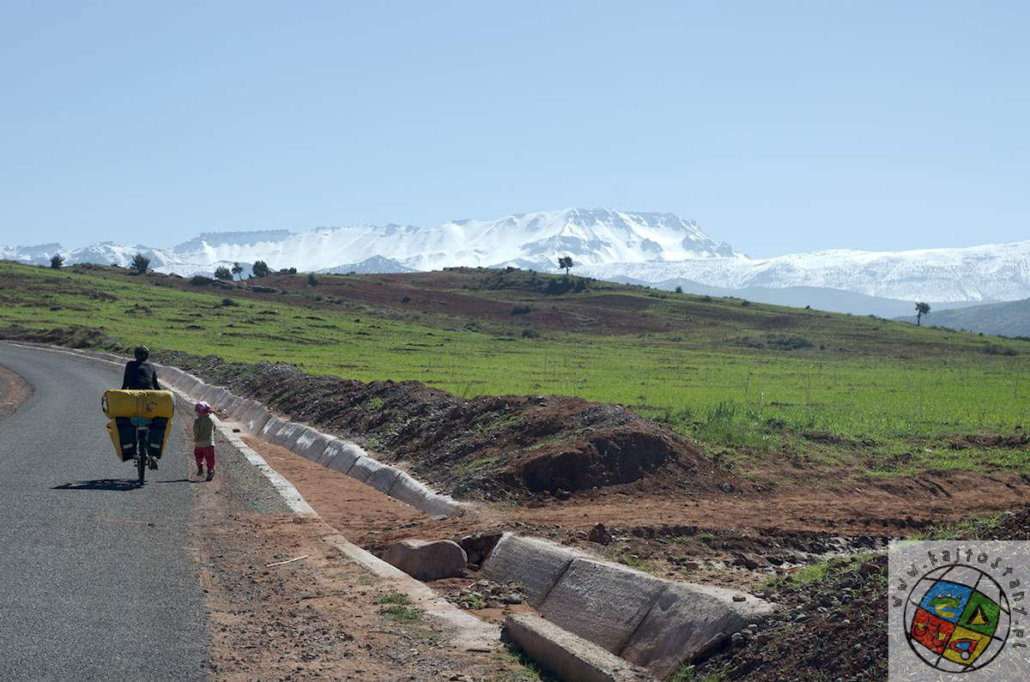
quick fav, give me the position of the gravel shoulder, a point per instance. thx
(321, 616)
(13, 391)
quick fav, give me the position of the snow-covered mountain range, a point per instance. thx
(993, 272)
(655, 248)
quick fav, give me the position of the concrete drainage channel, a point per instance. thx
(598, 620)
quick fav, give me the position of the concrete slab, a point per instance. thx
(363, 468)
(216, 396)
(383, 478)
(435, 504)
(685, 621)
(285, 435)
(427, 560)
(601, 602)
(253, 416)
(312, 448)
(535, 563)
(408, 490)
(570, 657)
(340, 455)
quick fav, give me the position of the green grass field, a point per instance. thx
(892, 396)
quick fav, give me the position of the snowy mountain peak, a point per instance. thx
(644, 246)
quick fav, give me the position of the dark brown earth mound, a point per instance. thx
(70, 337)
(488, 447)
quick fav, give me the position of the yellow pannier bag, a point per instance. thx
(146, 404)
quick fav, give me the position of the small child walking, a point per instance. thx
(204, 439)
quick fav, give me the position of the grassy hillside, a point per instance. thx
(754, 381)
(1006, 319)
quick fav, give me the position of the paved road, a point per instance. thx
(97, 580)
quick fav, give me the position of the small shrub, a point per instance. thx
(200, 281)
(745, 303)
(405, 299)
(521, 309)
(994, 349)
(679, 290)
(529, 333)
(312, 280)
(788, 342)
(399, 612)
(394, 598)
(229, 302)
(556, 287)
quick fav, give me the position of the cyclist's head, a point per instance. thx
(202, 407)
(141, 353)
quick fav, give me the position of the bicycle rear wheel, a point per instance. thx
(142, 452)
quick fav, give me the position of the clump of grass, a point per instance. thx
(973, 528)
(400, 613)
(394, 598)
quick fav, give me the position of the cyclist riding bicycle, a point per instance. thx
(140, 375)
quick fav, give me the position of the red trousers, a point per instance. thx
(205, 455)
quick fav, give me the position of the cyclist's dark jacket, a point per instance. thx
(140, 376)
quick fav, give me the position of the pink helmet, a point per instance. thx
(202, 408)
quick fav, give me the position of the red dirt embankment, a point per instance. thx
(503, 447)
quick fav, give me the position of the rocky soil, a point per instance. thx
(834, 628)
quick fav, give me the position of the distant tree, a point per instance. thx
(679, 290)
(237, 269)
(566, 263)
(261, 269)
(56, 261)
(223, 273)
(140, 263)
(312, 280)
(921, 309)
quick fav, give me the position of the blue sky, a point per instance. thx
(778, 126)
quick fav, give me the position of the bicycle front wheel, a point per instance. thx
(142, 452)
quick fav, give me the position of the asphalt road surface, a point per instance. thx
(97, 580)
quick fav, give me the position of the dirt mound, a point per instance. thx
(70, 337)
(492, 447)
(988, 441)
(1013, 526)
